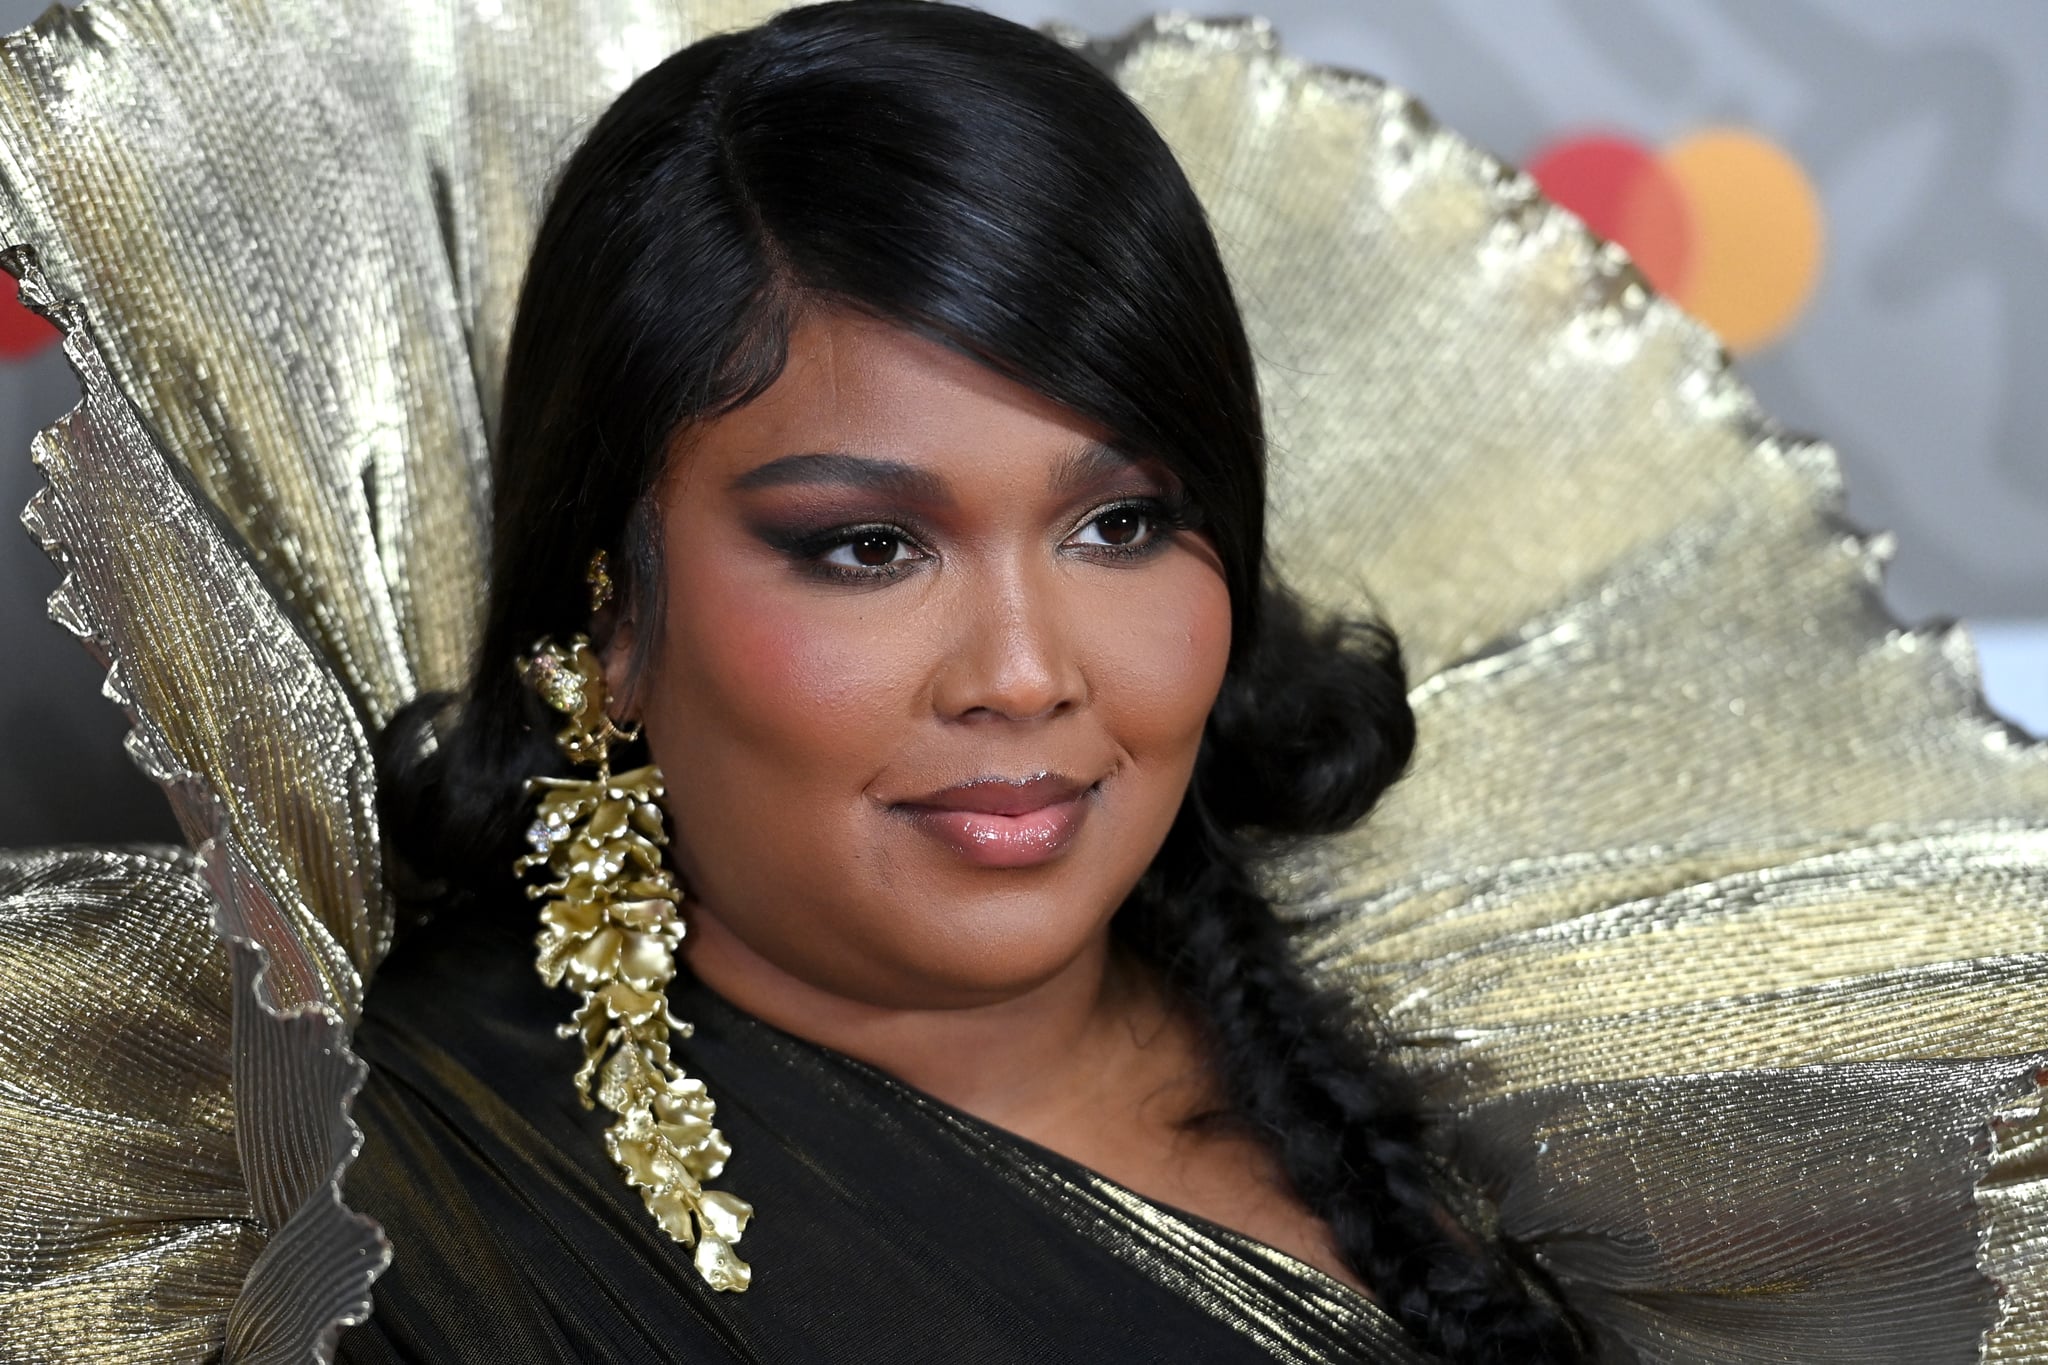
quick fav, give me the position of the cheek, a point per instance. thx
(773, 719)
(758, 672)
(784, 676)
(1157, 651)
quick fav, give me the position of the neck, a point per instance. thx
(1022, 1062)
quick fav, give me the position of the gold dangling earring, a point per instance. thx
(610, 929)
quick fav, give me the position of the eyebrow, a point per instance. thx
(1091, 463)
(848, 471)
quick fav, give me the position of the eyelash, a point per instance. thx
(1164, 517)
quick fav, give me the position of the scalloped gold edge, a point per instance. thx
(216, 854)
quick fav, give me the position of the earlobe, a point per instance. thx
(612, 636)
(615, 653)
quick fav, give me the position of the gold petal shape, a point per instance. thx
(726, 1214)
(720, 1266)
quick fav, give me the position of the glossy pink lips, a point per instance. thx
(997, 822)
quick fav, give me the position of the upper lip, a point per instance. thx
(1004, 795)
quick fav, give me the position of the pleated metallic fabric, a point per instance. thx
(1710, 913)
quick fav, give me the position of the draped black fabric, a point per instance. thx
(888, 1227)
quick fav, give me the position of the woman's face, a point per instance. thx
(932, 673)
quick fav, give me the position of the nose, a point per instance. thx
(1012, 657)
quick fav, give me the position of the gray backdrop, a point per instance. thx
(1923, 123)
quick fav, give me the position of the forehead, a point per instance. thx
(856, 384)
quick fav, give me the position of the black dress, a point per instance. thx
(893, 1228)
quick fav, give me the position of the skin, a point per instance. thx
(807, 680)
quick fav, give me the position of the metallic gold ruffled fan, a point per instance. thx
(1710, 911)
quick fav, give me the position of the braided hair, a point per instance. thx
(1303, 741)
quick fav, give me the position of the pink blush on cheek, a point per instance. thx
(775, 669)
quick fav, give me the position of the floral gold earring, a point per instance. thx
(609, 930)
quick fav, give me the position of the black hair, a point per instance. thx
(980, 184)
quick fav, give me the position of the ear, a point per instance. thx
(614, 633)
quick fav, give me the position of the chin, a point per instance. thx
(982, 949)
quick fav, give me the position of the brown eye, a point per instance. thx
(873, 548)
(1122, 526)
(1127, 527)
(874, 551)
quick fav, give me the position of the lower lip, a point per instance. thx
(1026, 840)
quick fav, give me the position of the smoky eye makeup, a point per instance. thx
(865, 549)
(1129, 528)
(1121, 513)
(1118, 530)
(848, 553)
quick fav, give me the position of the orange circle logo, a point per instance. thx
(1723, 222)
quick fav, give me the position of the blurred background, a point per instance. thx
(1852, 193)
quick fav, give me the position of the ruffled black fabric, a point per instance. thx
(888, 1227)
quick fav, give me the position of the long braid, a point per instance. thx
(1345, 1128)
(1317, 729)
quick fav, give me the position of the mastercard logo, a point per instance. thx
(1724, 222)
